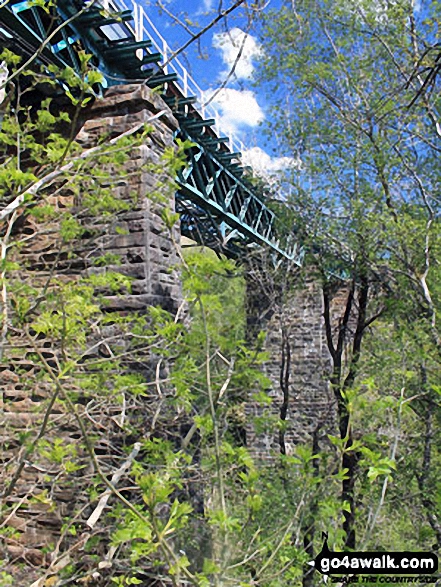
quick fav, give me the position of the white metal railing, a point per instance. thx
(144, 29)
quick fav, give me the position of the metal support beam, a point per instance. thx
(214, 197)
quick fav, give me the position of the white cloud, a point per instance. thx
(207, 6)
(236, 109)
(230, 44)
(266, 166)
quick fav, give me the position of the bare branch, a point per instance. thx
(219, 17)
(50, 177)
(97, 512)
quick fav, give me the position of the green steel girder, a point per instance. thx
(228, 156)
(212, 191)
(176, 102)
(213, 142)
(26, 28)
(93, 17)
(218, 207)
(196, 125)
(124, 50)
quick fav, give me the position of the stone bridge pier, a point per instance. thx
(287, 306)
(139, 236)
(141, 247)
(289, 310)
(291, 314)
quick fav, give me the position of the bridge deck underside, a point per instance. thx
(218, 206)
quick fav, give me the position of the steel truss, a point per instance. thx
(219, 207)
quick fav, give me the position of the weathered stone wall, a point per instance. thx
(43, 494)
(147, 252)
(298, 365)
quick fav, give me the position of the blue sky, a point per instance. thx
(240, 104)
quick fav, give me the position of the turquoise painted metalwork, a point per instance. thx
(219, 207)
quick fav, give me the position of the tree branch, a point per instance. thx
(50, 177)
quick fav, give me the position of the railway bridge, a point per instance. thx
(219, 207)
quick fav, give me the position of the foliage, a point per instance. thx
(342, 79)
(136, 422)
